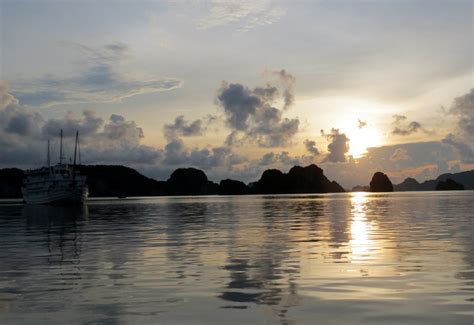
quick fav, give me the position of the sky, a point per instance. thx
(237, 87)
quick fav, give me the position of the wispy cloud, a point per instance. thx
(99, 80)
(245, 14)
(399, 154)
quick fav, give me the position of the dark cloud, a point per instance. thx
(270, 129)
(121, 131)
(88, 124)
(250, 112)
(98, 81)
(463, 109)
(181, 127)
(239, 103)
(465, 150)
(403, 129)
(412, 127)
(399, 118)
(215, 157)
(18, 120)
(361, 124)
(278, 160)
(23, 132)
(176, 154)
(136, 155)
(267, 159)
(288, 81)
(338, 146)
(311, 147)
(462, 137)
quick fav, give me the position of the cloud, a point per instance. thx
(270, 129)
(88, 124)
(240, 104)
(250, 112)
(117, 140)
(463, 109)
(465, 150)
(403, 129)
(338, 146)
(412, 127)
(176, 154)
(434, 156)
(310, 146)
(245, 14)
(19, 121)
(281, 160)
(6, 99)
(399, 154)
(361, 124)
(233, 139)
(23, 132)
(121, 131)
(288, 81)
(181, 127)
(398, 118)
(14, 118)
(462, 137)
(99, 80)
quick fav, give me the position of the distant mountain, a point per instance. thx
(464, 178)
(361, 188)
(231, 187)
(190, 181)
(449, 185)
(380, 183)
(309, 179)
(119, 181)
(10, 183)
(411, 184)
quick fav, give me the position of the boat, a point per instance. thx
(58, 184)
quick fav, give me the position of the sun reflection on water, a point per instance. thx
(361, 229)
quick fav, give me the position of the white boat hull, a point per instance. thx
(60, 196)
(59, 184)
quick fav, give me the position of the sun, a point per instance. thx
(362, 138)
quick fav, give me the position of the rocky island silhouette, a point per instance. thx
(122, 181)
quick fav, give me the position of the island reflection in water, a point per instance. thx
(299, 259)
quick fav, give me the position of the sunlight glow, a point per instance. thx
(362, 138)
(360, 229)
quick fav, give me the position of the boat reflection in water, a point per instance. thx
(60, 229)
(39, 214)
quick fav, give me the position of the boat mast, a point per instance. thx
(75, 147)
(49, 158)
(61, 148)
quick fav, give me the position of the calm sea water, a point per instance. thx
(401, 258)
